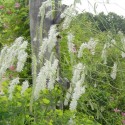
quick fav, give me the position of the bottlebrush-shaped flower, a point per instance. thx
(68, 14)
(46, 77)
(77, 87)
(90, 46)
(114, 71)
(71, 45)
(11, 54)
(12, 85)
(50, 42)
(25, 85)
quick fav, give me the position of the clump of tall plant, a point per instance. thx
(77, 88)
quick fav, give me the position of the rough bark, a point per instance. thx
(34, 32)
(35, 21)
(35, 24)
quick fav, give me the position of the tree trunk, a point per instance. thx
(36, 40)
(35, 24)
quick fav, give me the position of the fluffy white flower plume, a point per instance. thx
(25, 85)
(70, 37)
(68, 96)
(11, 54)
(82, 47)
(90, 45)
(12, 85)
(114, 71)
(50, 42)
(105, 49)
(73, 105)
(46, 77)
(44, 5)
(49, 14)
(2, 53)
(104, 54)
(71, 46)
(77, 88)
(23, 45)
(113, 42)
(43, 48)
(69, 13)
(123, 54)
(78, 91)
(52, 38)
(40, 84)
(18, 41)
(79, 70)
(22, 56)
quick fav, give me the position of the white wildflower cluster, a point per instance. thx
(104, 54)
(77, 81)
(49, 13)
(1, 92)
(68, 96)
(43, 48)
(71, 46)
(46, 77)
(49, 43)
(72, 121)
(12, 85)
(43, 7)
(78, 91)
(22, 56)
(78, 73)
(90, 45)
(114, 71)
(77, 88)
(105, 49)
(113, 42)
(52, 39)
(69, 13)
(14, 53)
(25, 85)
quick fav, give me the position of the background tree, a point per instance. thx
(110, 22)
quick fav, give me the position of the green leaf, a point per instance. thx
(45, 101)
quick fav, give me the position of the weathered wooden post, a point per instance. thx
(35, 24)
(36, 39)
(35, 21)
(35, 42)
